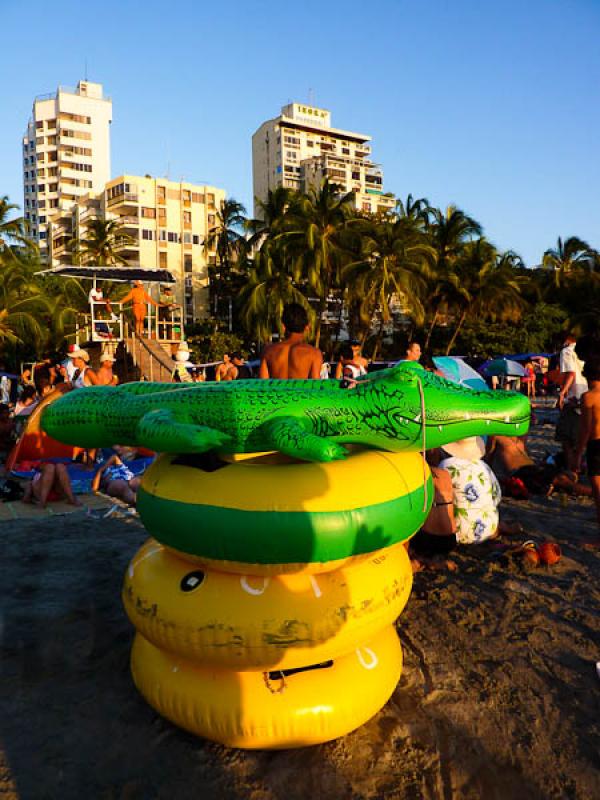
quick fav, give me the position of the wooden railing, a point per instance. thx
(149, 357)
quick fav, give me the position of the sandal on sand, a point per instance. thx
(549, 553)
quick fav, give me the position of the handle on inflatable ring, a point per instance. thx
(247, 588)
(281, 678)
(367, 665)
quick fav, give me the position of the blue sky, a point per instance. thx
(491, 105)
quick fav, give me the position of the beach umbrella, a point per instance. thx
(504, 366)
(456, 370)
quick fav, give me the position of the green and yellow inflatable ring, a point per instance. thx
(265, 515)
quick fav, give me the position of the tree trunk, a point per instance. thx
(379, 339)
(431, 327)
(463, 316)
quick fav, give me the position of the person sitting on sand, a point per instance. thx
(293, 357)
(51, 482)
(116, 479)
(437, 536)
(476, 491)
(508, 458)
(589, 433)
(8, 433)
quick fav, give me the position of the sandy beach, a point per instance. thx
(499, 697)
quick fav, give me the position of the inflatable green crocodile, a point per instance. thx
(307, 419)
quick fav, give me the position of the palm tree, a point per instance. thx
(270, 286)
(272, 213)
(317, 223)
(567, 258)
(103, 244)
(449, 232)
(394, 265)
(490, 287)
(12, 229)
(413, 209)
(22, 306)
(226, 238)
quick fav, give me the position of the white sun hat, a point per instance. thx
(471, 449)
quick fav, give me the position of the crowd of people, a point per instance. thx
(468, 476)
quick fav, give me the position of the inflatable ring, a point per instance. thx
(265, 518)
(245, 622)
(276, 709)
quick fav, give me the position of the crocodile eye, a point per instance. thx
(191, 581)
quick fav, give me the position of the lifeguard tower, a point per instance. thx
(107, 323)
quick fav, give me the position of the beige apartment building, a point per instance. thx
(167, 223)
(300, 147)
(66, 154)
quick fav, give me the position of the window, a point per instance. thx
(163, 260)
(187, 263)
(195, 239)
(187, 195)
(162, 216)
(53, 187)
(41, 173)
(53, 203)
(42, 219)
(41, 187)
(42, 204)
(51, 140)
(211, 220)
(42, 234)
(356, 176)
(197, 198)
(187, 238)
(149, 213)
(172, 237)
(147, 235)
(68, 134)
(345, 151)
(162, 236)
(310, 144)
(210, 199)
(161, 194)
(39, 124)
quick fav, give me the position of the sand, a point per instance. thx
(499, 697)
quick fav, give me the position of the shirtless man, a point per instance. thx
(508, 458)
(105, 374)
(226, 370)
(294, 357)
(589, 433)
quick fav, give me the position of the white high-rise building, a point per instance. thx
(300, 147)
(66, 154)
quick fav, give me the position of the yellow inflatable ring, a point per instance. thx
(253, 515)
(245, 622)
(275, 709)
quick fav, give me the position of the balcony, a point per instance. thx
(129, 221)
(127, 198)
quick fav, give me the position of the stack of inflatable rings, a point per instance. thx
(264, 605)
